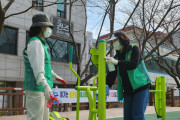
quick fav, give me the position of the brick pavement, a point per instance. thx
(110, 113)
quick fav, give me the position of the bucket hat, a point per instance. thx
(111, 38)
(41, 20)
(117, 35)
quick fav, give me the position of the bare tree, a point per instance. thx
(3, 13)
(4, 9)
(154, 23)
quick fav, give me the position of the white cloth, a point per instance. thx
(36, 106)
(54, 75)
(35, 52)
(47, 92)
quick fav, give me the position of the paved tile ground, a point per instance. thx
(110, 113)
(169, 116)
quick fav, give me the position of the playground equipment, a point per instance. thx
(97, 57)
(160, 97)
(54, 115)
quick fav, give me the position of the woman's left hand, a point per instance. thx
(61, 80)
(111, 60)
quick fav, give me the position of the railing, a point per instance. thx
(171, 100)
(13, 101)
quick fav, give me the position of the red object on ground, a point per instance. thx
(17, 88)
(62, 81)
(50, 102)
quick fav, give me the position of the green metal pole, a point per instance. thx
(78, 92)
(94, 96)
(158, 87)
(102, 80)
(90, 103)
(163, 97)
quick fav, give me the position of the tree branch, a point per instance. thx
(8, 5)
(86, 68)
(107, 9)
(162, 41)
(73, 40)
(87, 78)
(131, 14)
(85, 36)
(33, 6)
(159, 22)
(170, 73)
(162, 55)
(1, 9)
(178, 66)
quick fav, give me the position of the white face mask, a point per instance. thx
(117, 45)
(48, 32)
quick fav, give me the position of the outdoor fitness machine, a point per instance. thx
(97, 57)
(160, 97)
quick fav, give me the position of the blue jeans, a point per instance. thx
(135, 105)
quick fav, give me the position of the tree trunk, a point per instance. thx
(1, 24)
(2, 19)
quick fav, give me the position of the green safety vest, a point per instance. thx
(29, 78)
(138, 77)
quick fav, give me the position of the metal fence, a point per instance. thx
(12, 101)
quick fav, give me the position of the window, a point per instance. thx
(59, 50)
(152, 65)
(61, 9)
(38, 4)
(8, 41)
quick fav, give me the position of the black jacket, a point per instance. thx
(123, 67)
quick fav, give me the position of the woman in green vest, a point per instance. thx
(38, 78)
(132, 76)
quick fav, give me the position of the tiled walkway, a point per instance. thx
(173, 113)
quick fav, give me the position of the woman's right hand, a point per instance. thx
(111, 60)
(48, 92)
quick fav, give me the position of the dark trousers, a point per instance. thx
(135, 105)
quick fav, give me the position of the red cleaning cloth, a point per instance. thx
(62, 81)
(50, 102)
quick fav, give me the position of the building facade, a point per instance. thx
(176, 39)
(15, 37)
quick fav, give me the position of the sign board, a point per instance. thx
(70, 95)
(61, 28)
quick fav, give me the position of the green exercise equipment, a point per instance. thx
(54, 115)
(97, 57)
(160, 97)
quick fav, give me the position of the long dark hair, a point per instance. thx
(33, 31)
(123, 38)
